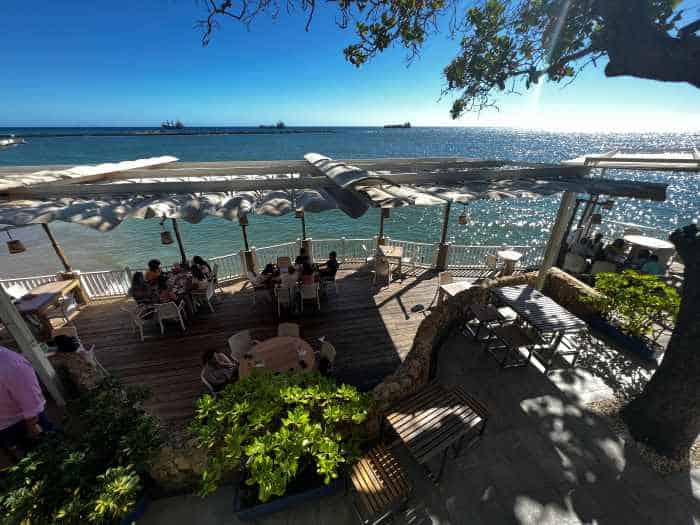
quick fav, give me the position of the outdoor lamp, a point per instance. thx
(14, 245)
(299, 213)
(386, 213)
(463, 218)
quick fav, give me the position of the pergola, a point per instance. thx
(103, 196)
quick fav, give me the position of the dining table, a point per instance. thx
(663, 249)
(40, 300)
(510, 258)
(278, 354)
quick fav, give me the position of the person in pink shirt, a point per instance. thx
(22, 402)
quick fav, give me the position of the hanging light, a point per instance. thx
(243, 220)
(165, 236)
(14, 245)
(299, 213)
(463, 218)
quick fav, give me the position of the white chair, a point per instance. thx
(288, 330)
(205, 295)
(284, 298)
(574, 263)
(137, 317)
(240, 343)
(207, 384)
(257, 288)
(171, 311)
(603, 267)
(15, 291)
(381, 272)
(309, 292)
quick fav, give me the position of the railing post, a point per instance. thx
(442, 256)
(343, 249)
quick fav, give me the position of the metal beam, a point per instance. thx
(176, 229)
(57, 248)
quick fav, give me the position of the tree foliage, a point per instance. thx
(509, 44)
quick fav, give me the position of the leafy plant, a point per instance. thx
(91, 472)
(635, 300)
(279, 427)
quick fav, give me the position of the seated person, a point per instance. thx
(653, 266)
(153, 271)
(199, 279)
(267, 276)
(198, 262)
(140, 290)
(165, 295)
(615, 252)
(219, 369)
(596, 251)
(639, 259)
(289, 279)
(330, 267)
(302, 258)
(308, 275)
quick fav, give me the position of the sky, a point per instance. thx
(136, 63)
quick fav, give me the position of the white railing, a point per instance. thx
(461, 256)
(27, 283)
(423, 254)
(269, 254)
(348, 250)
(109, 283)
(229, 266)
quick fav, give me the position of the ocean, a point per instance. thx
(507, 222)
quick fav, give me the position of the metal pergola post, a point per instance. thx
(176, 229)
(566, 210)
(57, 248)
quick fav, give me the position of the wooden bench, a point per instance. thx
(381, 487)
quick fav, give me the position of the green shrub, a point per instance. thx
(279, 427)
(90, 474)
(635, 300)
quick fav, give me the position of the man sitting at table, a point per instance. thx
(153, 271)
(652, 266)
(22, 403)
(140, 290)
(330, 267)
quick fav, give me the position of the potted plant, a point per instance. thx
(92, 473)
(290, 434)
(630, 303)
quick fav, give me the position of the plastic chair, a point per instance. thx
(170, 311)
(309, 292)
(288, 330)
(240, 343)
(205, 295)
(574, 263)
(382, 270)
(138, 317)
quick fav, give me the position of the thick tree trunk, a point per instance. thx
(666, 415)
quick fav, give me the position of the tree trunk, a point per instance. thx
(666, 415)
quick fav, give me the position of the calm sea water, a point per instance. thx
(504, 222)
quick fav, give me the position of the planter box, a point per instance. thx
(628, 342)
(136, 513)
(285, 502)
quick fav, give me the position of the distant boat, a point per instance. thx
(405, 125)
(279, 125)
(11, 142)
(169, 124)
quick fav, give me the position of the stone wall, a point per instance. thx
(178, 467)
(415, 371)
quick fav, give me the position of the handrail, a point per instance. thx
(115, 283)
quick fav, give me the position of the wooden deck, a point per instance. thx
(372, 332)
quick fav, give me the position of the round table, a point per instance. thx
(279, 354)
(510, 257)
(650, 243)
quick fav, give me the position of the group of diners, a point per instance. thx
(156, 286)
(283, 275)
(617, 253)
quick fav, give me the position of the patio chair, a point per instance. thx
(380, 485)
(138, 316)
(240, 343)
(327, 354)
(574, 263)
(284, 298)
(288, 330)
(479, 317)
(171, 311)
(309, 292)
(205, 296)
(507, 341)
(381, 272)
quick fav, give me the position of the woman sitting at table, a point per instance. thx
(198, 262)
(153, 272)
(200, 281)
(308, 275)
(219, 369)
(165, 295)
(140, 290)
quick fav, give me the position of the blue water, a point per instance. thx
(503, 222)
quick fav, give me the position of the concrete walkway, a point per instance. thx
(544, 458)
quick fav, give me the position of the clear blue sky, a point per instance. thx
(137, 62)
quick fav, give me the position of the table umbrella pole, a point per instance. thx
(176, 229)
